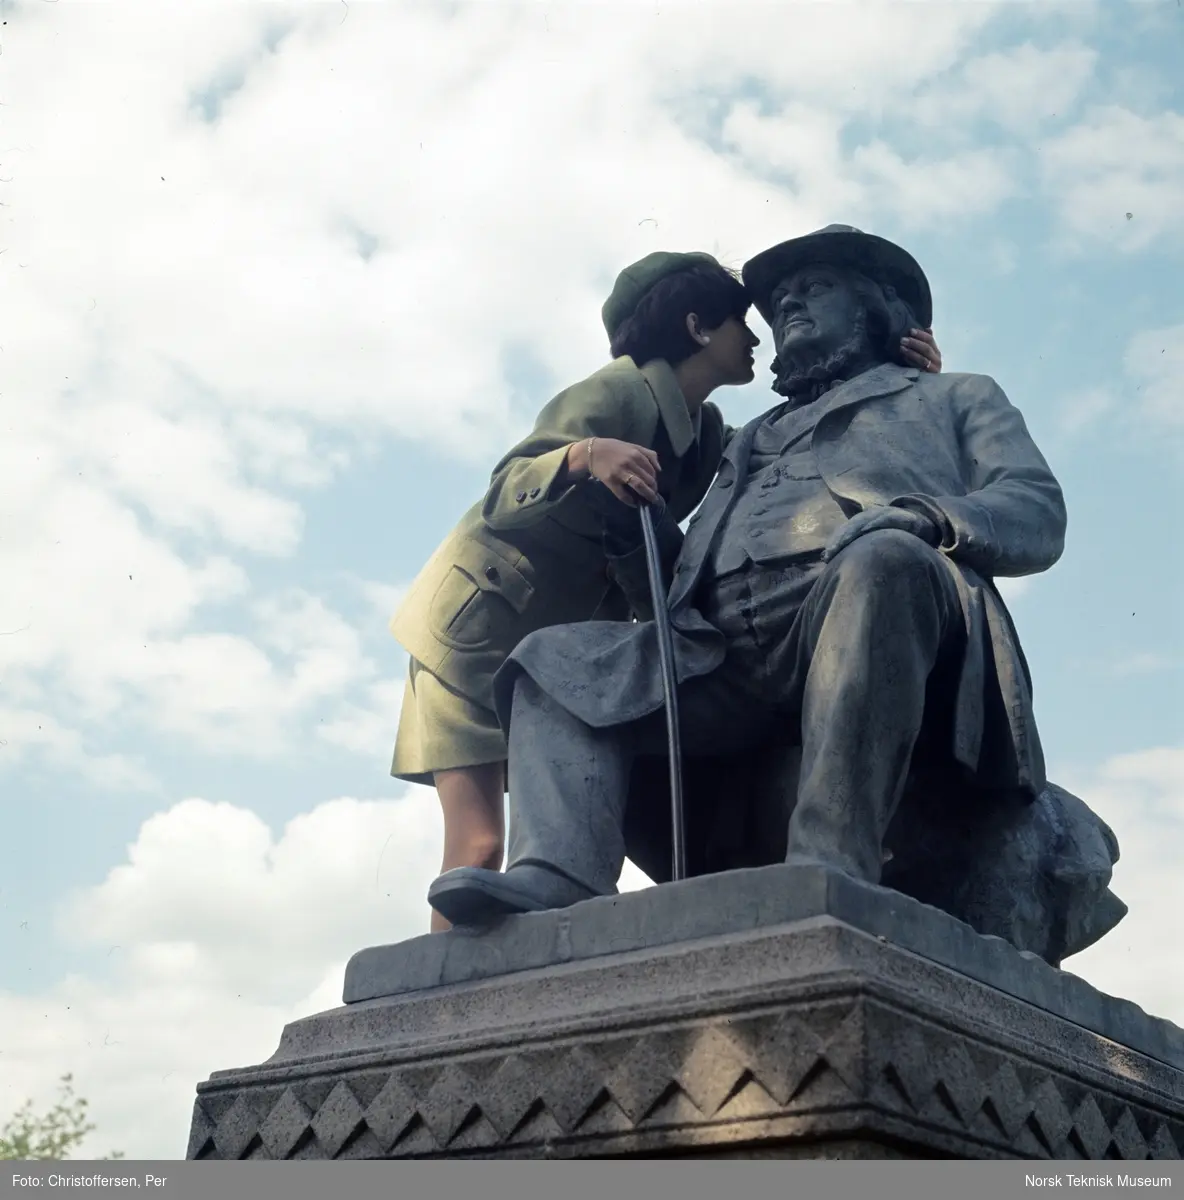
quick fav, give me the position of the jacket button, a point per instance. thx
(535, 493)
(520, 497)
(491, 574)
(723, 483)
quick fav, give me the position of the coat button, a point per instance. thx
(520, 497)
(723, 483)
(535, 493)
(491, 574)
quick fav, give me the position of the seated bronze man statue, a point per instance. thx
(833, 599)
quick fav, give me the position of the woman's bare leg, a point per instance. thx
(474, 824)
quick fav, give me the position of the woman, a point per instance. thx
(532, 553)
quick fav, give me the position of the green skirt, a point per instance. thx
(440, 729)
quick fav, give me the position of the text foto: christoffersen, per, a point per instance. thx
(56, 1179)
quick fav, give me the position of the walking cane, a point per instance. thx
(669, 688)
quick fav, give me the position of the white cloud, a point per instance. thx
(137, 666)
(181, 470)
(1155, 359)
(1141, 796)
(854, 57)
(1022, 89)
(368, 728)
(382, 598)
(1149, 400)
(802, 147)
(966, 184)
(798, 143)
(26, 734)
(282, 239)
(216, 932)
(322, 275)
(1118, 177)
(1083, 409)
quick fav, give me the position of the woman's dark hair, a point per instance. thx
(657, 328)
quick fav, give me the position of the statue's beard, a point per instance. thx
(805, 376)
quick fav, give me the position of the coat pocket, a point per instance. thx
(479, 600)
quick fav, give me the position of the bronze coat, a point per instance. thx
(949, 443)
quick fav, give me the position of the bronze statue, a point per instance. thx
(530, 554)
(834, 613)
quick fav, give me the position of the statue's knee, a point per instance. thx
(888, 551)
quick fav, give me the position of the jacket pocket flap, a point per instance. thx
(492, 572)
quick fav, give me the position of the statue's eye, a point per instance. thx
(815, 286)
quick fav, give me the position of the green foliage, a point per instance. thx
(29, 1135)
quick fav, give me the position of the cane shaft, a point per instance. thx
(669, 690)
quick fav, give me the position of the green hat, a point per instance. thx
(633, 283)
(844, 246)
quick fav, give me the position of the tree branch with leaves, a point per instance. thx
(29, 1135)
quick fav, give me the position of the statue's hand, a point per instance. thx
(883, 517)
(921, 351)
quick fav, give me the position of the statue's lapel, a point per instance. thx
(884, 380)
(736, 455)
(716, 505)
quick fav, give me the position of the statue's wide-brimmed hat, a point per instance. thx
(843, 246)
(635, 280)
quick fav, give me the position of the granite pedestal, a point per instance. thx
(786, 1012)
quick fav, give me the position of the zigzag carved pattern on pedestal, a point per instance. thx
(693, 1077)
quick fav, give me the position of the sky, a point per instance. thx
(280, 284)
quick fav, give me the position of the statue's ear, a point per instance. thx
(890, 293)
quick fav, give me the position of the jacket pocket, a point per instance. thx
(479, 600)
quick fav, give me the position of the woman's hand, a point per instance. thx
(628, 471)
(921, 351)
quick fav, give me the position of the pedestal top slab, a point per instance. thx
(737, 903)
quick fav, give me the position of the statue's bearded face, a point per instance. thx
(820, 329)
(815, 312)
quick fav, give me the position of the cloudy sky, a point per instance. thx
(280, 284)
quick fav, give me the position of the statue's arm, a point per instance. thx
(532, 480)
(1012, 519)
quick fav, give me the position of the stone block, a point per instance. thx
(781, 1012)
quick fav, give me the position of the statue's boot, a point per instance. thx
(476, 896)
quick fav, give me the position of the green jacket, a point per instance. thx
(532, 552)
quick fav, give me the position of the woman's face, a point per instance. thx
(730, 351)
